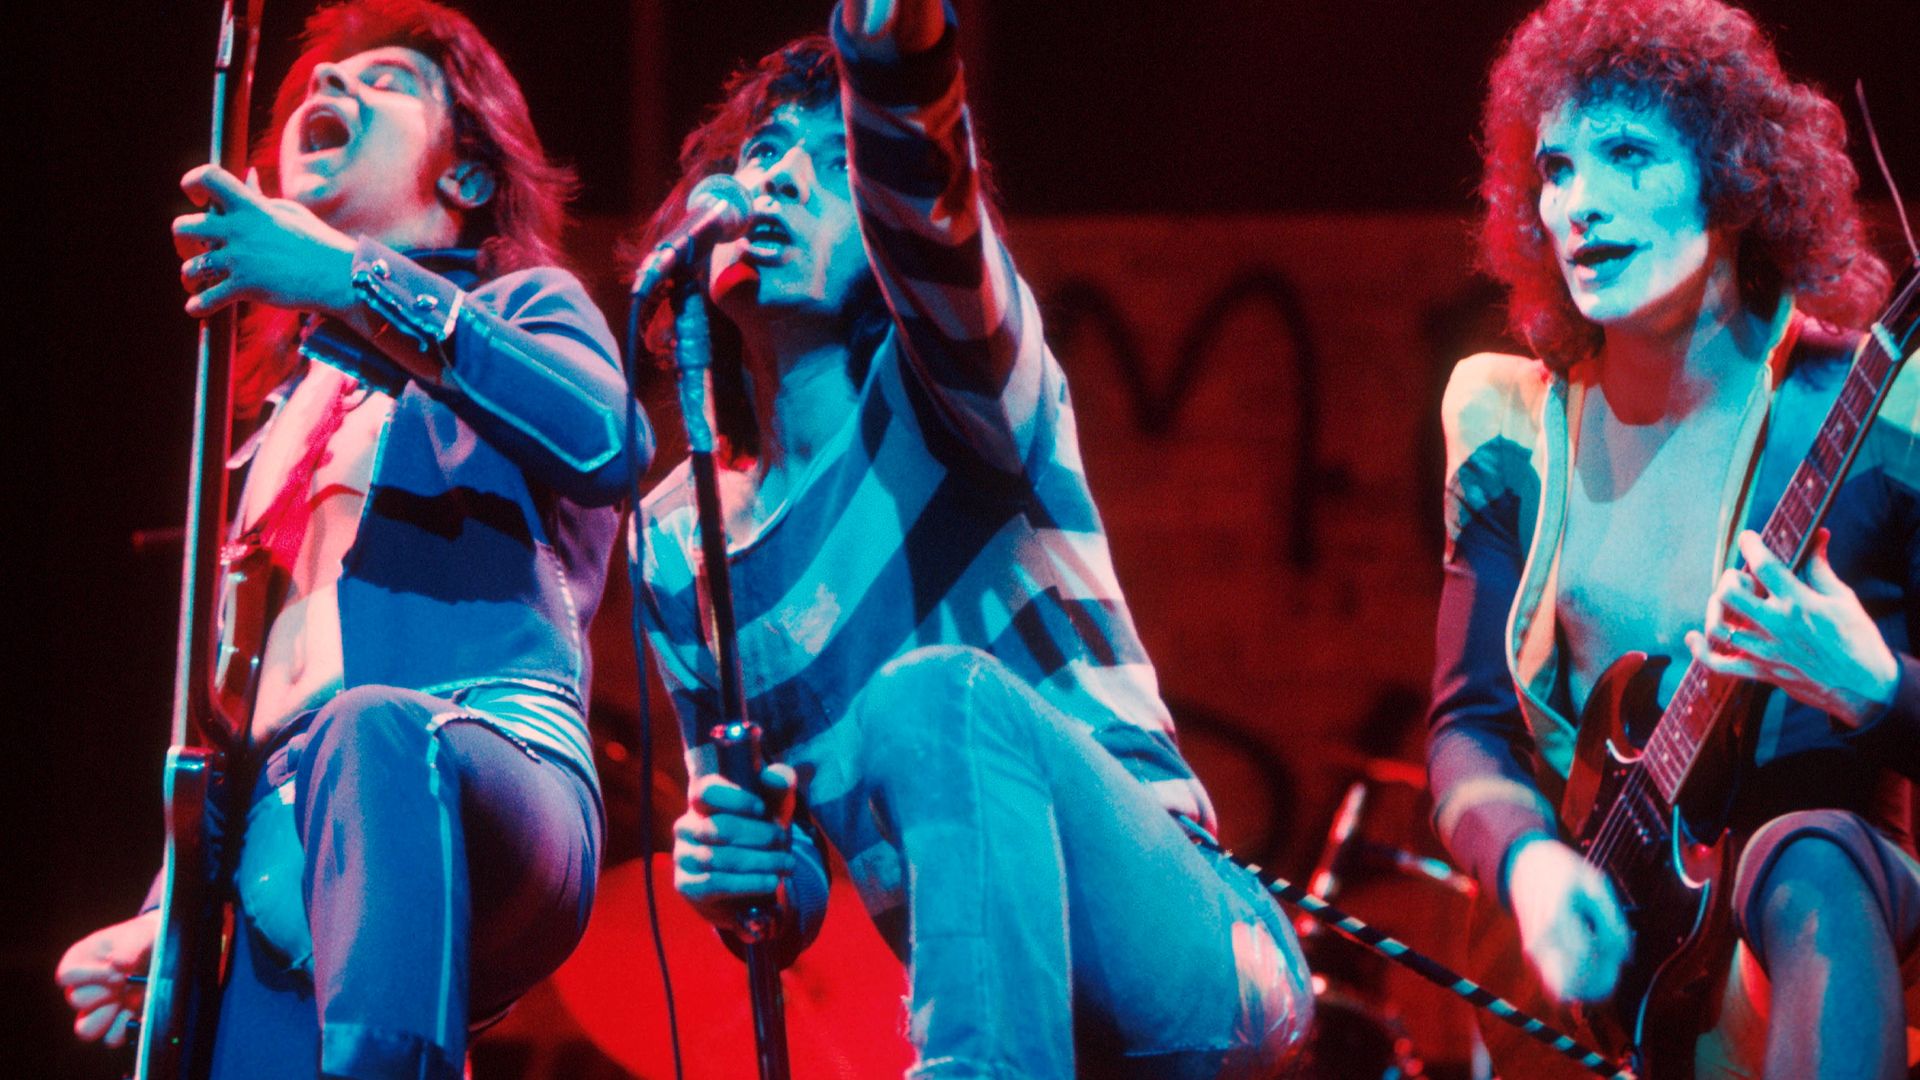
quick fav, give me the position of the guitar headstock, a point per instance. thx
(1893, 331)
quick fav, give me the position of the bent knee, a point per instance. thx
(918, 702)
(928, 705)
(1808, 874)
(372, 719)
(926, 676)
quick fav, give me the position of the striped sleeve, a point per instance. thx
(968, 327)
(673, 627)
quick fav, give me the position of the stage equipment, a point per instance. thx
(716, 210)
(1647, 805)
(1357, 1034)
(1439, 974)
(175, 1041)
(843, 995)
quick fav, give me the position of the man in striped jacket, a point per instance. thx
(929, 623)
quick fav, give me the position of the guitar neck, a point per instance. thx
(194, 719)
(1703, 696)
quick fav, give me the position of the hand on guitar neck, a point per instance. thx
(247, 246)
(1811, 638)
(1571, 926)
(103, 977)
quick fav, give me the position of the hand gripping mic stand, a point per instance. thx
(735, 738)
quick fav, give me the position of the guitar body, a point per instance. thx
(183, 978)
(1672, 892)
(1671, 883)
(189, 956)
(1647, 798)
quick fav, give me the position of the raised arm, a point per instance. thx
(968, 327)
(526, 360)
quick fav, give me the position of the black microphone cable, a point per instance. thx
(636, 560)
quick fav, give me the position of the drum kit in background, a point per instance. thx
(1372, 1020)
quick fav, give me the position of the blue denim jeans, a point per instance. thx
(442, 869)
(1060, 919)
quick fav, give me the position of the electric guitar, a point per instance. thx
(175, 1039)
(1624, 800)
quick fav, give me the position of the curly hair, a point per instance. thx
(804, 72)
(518, 227)
(1771, 151)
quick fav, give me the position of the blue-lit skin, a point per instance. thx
(802, 245)
(368, 153)
(1620, 197)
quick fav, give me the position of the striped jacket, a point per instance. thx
(1502, 724)
(952, 507)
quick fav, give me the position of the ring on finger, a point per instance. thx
(1729, 637)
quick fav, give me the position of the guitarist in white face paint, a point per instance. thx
(1676, 221)
(432, 503)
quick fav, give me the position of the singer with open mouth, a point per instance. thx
(431, 494)
(930, 630)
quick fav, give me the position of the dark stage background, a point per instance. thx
(1248, 222)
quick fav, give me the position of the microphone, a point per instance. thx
(717, 210)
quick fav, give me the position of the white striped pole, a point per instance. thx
(1442, 976)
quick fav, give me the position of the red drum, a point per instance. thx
(845, 996)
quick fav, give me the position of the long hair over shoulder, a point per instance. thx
(518, 227)
(1771, 150)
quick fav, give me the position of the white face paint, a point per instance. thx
(802, 249)
(1620, 197)
(369, 142)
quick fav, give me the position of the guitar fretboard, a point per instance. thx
(1695, 708)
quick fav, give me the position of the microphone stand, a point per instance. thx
(736, 739)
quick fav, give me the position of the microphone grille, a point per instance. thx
(721, 191)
